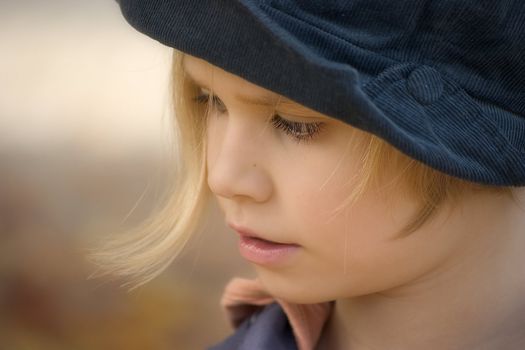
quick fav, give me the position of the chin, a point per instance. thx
(292, 291)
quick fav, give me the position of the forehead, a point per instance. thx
(203, 74)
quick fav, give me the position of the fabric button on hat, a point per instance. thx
(425, 85)
(442, 81)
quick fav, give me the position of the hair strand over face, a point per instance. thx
(142, 254)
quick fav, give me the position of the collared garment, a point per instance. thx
(262, 322)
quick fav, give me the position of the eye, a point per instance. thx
(298, 131)
(216, 102)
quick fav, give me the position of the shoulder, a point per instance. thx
(267, 328)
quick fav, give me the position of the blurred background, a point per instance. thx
(84, 110)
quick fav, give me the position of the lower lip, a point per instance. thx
(265, 253)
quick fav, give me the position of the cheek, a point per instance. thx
(327, 228)
(212, 142)
(351, 247)
(358, 231)
(320, 195)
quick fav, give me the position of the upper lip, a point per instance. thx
(245, 232)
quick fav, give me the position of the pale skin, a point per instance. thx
(456, 283)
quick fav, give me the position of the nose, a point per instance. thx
(237, 163)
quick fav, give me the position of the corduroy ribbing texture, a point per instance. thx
(443, 81)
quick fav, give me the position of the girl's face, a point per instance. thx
(283, 177)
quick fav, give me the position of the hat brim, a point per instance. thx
(362, 88)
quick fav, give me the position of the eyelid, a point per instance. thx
(298, 131)
(285, 108)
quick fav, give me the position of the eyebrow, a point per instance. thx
(264, 100)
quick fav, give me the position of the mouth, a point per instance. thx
(247, 233)
(261, 251)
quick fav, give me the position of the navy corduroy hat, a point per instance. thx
(443, 81)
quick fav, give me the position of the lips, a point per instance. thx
(247, 233)
(259, 250)
(266, 253)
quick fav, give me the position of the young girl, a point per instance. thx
(369, 154)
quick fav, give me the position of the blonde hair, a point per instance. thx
(141, 255)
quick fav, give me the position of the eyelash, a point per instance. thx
(300, 132)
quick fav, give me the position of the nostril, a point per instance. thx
(230, 180)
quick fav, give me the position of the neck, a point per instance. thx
(476, 300)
